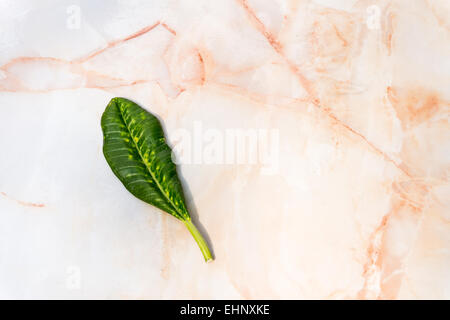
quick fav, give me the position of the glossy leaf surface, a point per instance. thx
(136, 150)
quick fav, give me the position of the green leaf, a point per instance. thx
(136, 150)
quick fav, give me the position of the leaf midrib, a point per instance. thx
(150, 171)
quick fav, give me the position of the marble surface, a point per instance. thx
(357, 92)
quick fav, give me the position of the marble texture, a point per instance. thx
(358, 90)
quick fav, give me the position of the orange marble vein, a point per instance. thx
(308, 87)
(23, 203)
(277, 46)
(372, 267)
(75, 66)
(120, 41)
(163, 24)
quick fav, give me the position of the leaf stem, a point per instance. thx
(199, 239)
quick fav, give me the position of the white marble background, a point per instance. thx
(358, 90)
